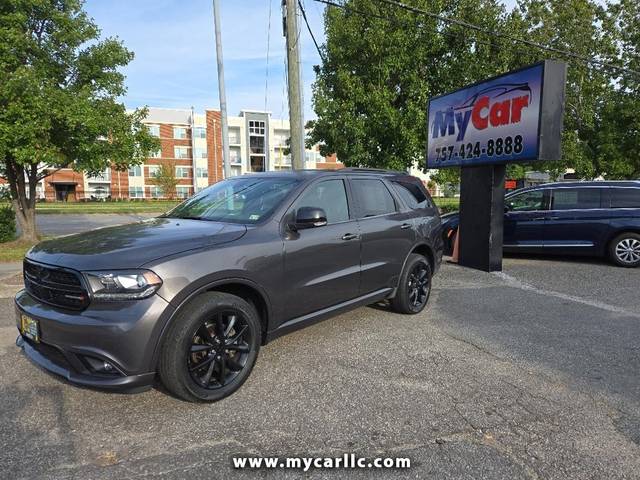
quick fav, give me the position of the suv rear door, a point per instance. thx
(577, 219)
(387, 233)
(322, 264)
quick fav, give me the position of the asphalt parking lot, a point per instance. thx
(532, 373)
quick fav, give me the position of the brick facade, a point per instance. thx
(214, 146)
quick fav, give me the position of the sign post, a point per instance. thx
(515, 117)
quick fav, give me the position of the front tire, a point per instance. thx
(624, 250)
(414, 287)
(211, 348)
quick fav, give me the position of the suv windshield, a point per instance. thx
(242, 200)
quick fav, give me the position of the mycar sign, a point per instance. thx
(516, 117)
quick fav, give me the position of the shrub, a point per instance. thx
(7, 224)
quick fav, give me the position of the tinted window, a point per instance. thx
(373, 197)
(329, 195)
(244, 200)
(625, 197)
(527, 201)
(411, 194)
(576, 198)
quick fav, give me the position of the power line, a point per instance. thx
(304, 16)
(477, 28)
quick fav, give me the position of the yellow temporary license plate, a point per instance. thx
(29, 327)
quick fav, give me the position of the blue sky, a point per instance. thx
(175, 59)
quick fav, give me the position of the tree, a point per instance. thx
(382, 63)
(58, 100)
(165, 178)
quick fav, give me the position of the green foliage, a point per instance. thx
(165, 178)
(7, 224)
(383, 63)
(59, 98)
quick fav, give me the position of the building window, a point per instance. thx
(136, 192)
(234, 155)
(182, 191)
(156, 154)
(199, 132)
(180, 132)
(155, 192)
(200, 152)
(202, 173)
(234, 136)
(135, 171)
(154, 130)
(256, 127)
(180, 152)
(153, 170)
(183, 172)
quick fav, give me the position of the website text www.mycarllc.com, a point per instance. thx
(305, 464)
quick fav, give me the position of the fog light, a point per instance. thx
(100, 366)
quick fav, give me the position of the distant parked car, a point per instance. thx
(578, 218)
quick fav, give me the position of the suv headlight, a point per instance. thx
(123, 284)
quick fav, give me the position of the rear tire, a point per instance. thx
(210, 348)
(624, 250)
(414, 286)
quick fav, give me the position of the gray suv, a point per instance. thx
(192, 295)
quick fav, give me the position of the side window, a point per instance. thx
(576, 198)
(331, 196)
(373, 197)
(411, 194)
(527, 201)
(625, 197)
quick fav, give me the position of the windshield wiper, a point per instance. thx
(187, 217)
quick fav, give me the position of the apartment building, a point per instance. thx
(191, 144)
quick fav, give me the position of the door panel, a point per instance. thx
(524, 220)
(387, 235)
(576, 220)
(322, 264)
(321, 268)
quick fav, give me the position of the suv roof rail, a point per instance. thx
(371, 170)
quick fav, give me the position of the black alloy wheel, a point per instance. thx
(210, 347)
(414, 286)
(418, 286)
(219, 349)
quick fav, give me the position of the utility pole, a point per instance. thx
(294, 77)
(222, 92)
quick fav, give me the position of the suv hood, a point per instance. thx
(133, 245)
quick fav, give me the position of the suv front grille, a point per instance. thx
(55, 286)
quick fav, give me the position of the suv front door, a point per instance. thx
(321, 264)
(387, 234)
(524, 219)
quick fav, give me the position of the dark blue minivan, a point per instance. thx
(577, 218)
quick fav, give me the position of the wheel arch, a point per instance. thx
(424, 250)
(241, 287)
(617, 232)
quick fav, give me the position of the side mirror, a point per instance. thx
(310, 217)
(507, 208)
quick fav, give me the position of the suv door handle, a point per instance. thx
(537, 219)
(404, 226)
(350, 236)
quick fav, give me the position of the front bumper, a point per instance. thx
(122, 334)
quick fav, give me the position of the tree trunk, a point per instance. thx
(27, 222)
(25, 207)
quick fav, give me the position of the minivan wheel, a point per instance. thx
(414, 286)
(624, 250)
(210, 349)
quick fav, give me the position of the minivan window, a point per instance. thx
(241, 200)
(576, 198)
(373, 197)
(526, 201)
(411, 194)
(625, 197)
(331, 196)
